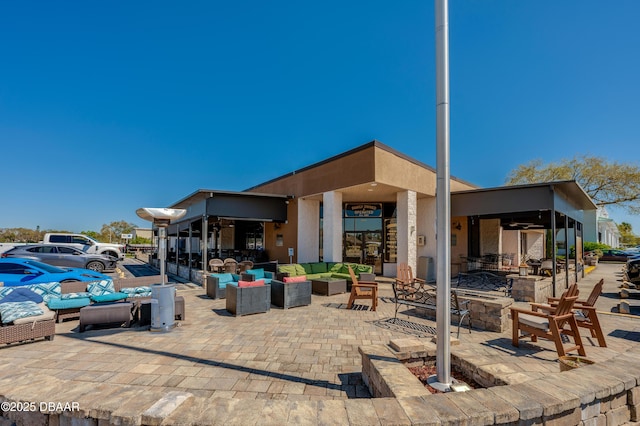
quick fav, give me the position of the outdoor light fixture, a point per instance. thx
(457, 225)
(523, 270)
(162, 295)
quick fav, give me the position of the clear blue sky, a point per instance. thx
(106, 107)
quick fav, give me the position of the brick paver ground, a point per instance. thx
(305, 353)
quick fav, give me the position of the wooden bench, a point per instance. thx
(422, 295)
(485, 281)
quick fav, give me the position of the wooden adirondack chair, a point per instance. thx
(549, 325)
(584, 310)
(362, 290)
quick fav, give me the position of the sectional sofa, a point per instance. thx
(317, 270)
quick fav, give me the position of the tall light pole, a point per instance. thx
(442, 381)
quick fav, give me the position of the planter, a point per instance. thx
(568, 362)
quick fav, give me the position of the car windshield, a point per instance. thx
(45, 267)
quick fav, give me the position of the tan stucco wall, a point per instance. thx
(362, 166)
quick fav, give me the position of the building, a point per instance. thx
(608, 232)
(377, 206)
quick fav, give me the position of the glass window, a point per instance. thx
(67, 250)
(391, 240)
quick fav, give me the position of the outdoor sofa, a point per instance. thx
(317, 270)
(291, 292)
(248, 297)
(216, 284)
(24, 316)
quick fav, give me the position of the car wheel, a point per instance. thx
(95, 266)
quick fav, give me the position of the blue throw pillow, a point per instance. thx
(22, 294)
(258, 273)
(13, 310)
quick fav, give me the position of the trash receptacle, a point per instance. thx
(162, 307)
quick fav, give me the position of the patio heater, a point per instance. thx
(163, 294)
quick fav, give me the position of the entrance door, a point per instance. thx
(364, 247)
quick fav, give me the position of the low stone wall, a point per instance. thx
(535, 288)
(488, 311)
(606, 393)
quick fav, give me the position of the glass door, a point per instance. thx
(364, 247)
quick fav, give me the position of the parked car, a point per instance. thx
(17, 271)
(63, 256)
(615, 255)
(632, 271)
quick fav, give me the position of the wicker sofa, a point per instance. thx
(27, 328)
(216, 284)
(247, 300)
(291, 292)
(326, 270)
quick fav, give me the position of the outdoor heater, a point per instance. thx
(163, 294)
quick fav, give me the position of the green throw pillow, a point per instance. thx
(288, 269)
(299, 269)
(307, 268)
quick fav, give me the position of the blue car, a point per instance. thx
(18, 271)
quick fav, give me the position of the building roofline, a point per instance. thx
(571, 185)
(216, 191)
(374, 143)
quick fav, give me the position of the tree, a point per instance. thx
(112, 231)
(606, 183)
(627, 237)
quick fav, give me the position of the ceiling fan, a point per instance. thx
(525, 225)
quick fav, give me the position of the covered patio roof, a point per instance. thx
(521, 205)
(228, 205)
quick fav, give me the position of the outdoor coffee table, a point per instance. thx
(106, 313)
(328, 286)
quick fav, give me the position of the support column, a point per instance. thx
(204, 241)
(407, 206)
(308, 230)
(332, 226)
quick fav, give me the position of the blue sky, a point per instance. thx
(106, 107)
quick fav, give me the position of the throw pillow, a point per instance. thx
(5, 290)
(46, 290)
(100, 288)
(298, 279)
(258, 283)
(223, 278)
(109, 297)
(288, 269)
(307, 268)
(257, 273)
(79, 295)
(22, 294)
(13, 310)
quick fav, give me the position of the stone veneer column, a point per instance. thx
(308, 230)
(332, 226)
(407, 205)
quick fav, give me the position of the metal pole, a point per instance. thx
(162, 252)
(443, 191)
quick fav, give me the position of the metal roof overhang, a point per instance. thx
(524, 202)
(239, 206)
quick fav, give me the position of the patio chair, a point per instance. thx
(584, 310)
(362, 290)
(244, 265)
(216, 265)
(405, 275)
(550, 325)
(231, 265)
